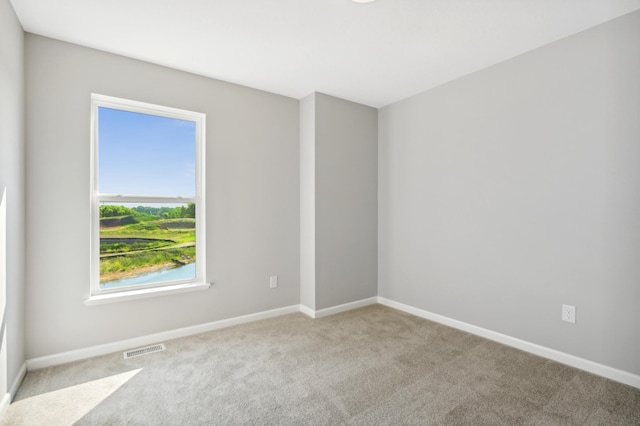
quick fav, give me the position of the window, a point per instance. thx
(147, 198)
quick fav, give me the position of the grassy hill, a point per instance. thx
(132, 245)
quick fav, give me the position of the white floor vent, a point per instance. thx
(144, 351)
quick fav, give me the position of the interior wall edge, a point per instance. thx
(8, 397)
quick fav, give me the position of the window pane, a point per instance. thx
(142, 154)
(146, 244)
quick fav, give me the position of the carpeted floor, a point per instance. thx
(369, 366)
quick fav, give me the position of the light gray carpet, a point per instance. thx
(369, 366)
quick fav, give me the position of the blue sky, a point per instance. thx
(143, 154)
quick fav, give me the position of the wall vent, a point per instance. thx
(144, 351)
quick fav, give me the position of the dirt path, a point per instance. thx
(102, 256)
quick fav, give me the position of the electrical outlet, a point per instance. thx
(273, 281)
(569, 313)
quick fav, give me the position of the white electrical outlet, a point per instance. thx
(273, 281)
(569, 313)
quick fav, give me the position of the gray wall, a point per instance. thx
(346, 144)
(12, 353)
(252, 197)
(338, 210)
(516, 189)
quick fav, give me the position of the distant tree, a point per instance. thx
(190, 211)
(114, 210)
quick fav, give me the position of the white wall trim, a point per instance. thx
(18, 381)
(78, 354)
(307, 311)
(84, 353)
(339, 308)
(561, 357)
(6, 400)
(8, 397)
(124, 296)
(552, 354)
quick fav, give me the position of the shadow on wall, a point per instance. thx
(4, 386)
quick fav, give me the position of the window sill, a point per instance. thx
(145, 293)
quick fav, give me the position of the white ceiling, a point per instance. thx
(375, 53)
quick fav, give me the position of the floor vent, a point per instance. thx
(144, 351)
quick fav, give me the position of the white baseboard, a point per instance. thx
(8, 397)
(84, 353)
(307, 311)
(561, 357)
(564, 358)
(76, 355)
(18, 381)
(4, 403)
(339, 308)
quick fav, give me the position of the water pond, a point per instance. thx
(185, 272)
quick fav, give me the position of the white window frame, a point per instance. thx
(97, 295)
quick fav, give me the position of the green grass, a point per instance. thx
(108, 247)
(152, 247)
(132, 261)
(178, 230)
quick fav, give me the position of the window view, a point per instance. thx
(146, 244)
(146, 195)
